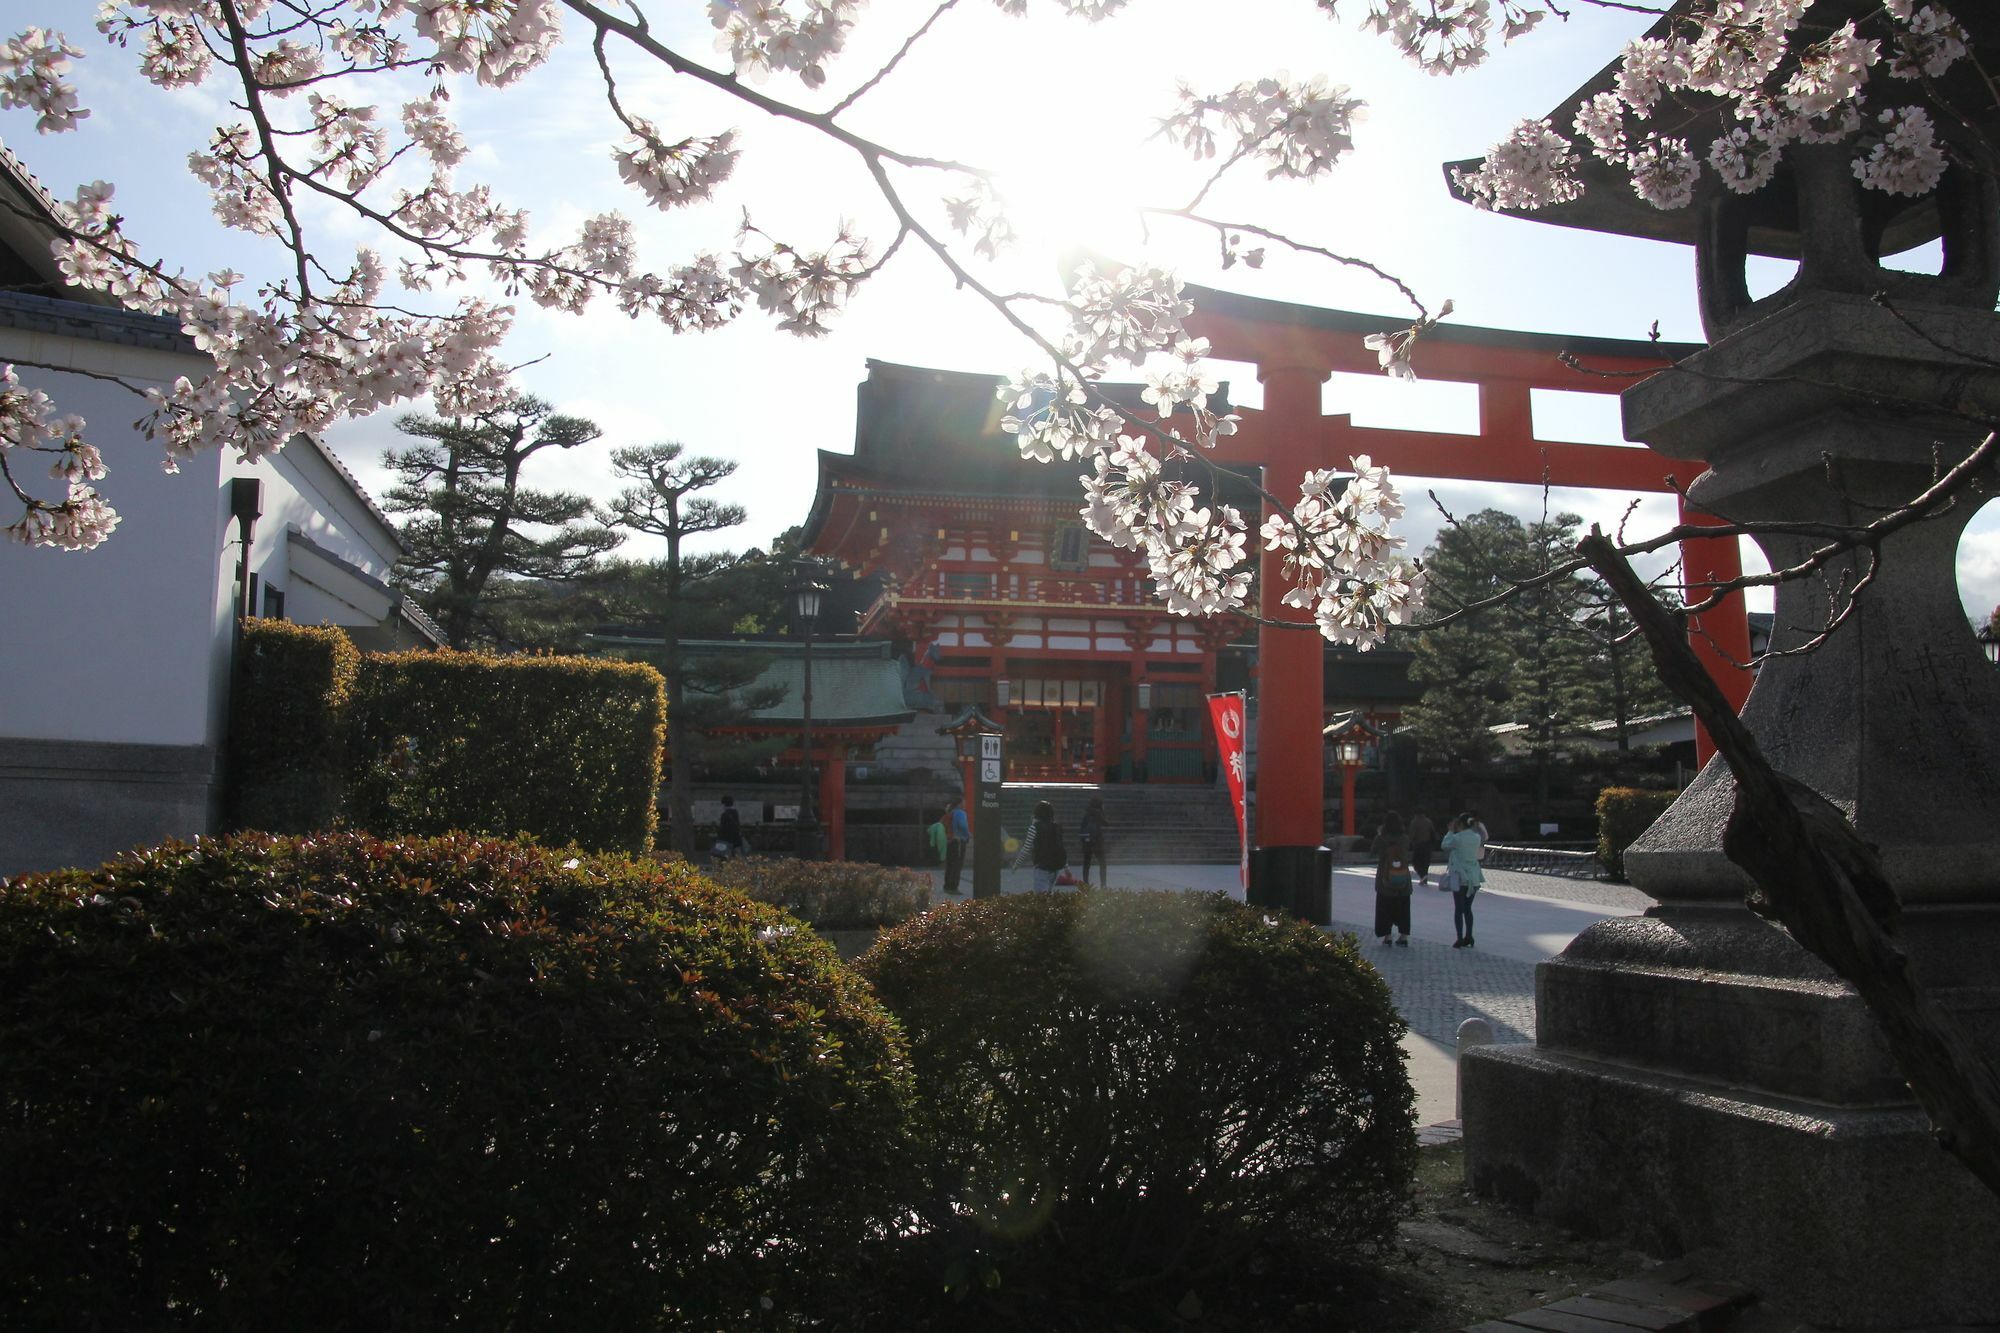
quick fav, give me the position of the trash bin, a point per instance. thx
(1298, 880)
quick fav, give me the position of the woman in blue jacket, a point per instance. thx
(1461, 848)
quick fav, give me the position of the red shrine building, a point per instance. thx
(1005, 598)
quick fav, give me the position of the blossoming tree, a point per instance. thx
(424, 308)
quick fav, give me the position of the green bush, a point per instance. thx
(287, 757)
(832, 895)
(1119, 1090)
(336, 1083)
(566, 749)
(1623, 813)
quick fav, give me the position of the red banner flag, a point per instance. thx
(1226, 712)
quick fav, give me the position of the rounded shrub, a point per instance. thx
(1623, 813)
(338, 1083)
(1120, 1093)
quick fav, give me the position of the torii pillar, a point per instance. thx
(1290, 868)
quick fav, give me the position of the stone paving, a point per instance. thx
(1437, 987)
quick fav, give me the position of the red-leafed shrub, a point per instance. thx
(832, 895)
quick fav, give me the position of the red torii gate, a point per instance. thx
(1295, 349)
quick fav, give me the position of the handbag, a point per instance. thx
(1065, 879)
(721, 850)
(1396, 878)
(1449, 884)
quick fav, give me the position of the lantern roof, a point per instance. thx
(971, 722)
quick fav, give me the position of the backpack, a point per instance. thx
(1396, 872)
(1049, 852)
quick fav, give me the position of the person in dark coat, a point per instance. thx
(1392, 881)
(1045, 848)
(1090, 836)
(729, 842)
(1423, 842)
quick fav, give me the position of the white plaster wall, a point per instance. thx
(116, 644)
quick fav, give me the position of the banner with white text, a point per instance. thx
(1226, 712)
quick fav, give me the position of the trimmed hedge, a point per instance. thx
(287, 755)
(831, 895)
(563, 749)
(1118, 1091)
(1623, 813)
(335, 1083)
(566, 749)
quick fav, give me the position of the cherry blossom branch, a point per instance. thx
(909, 44)
(1224, 228)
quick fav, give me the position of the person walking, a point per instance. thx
(1043, 848)
(1090, 836)
(958, 832)
(1392, 881)
(1423, 842)
(729, 842)
(1462, 847)
(934, 837)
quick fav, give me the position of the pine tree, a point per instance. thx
(473, 522)
(684, 596)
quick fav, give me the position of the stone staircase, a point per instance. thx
(1162, 824)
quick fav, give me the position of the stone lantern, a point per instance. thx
(1699, 1084)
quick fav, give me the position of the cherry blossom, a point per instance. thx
(327, 112)
(1781, 89)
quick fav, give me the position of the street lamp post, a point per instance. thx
(808, 591)
(1351, 736)
(1350, 764)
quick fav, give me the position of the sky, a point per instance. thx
(1066, 110)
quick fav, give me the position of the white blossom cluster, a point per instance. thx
(761, 36)
(1393, 351)
(301, 353)
(673, 174)
(1737, 51)
(1299, 129)
(803, 289)
(1532, 167)
(28, 424)
(981, 214)
(33, 66)
(1339, 555)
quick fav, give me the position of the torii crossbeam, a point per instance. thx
(1295, 349)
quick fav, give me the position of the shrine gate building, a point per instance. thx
(1005, 599)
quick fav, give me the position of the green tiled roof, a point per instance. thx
(854, 683)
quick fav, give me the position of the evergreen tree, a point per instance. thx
(473, 525)
(685, 596)
(1614, 679)
(1551, 659)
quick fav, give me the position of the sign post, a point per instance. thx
(986, 832)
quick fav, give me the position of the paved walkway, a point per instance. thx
(1521, 919)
